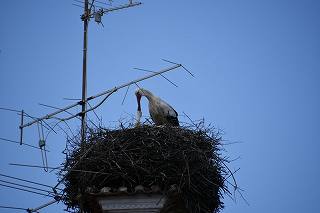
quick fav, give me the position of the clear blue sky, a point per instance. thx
(257, 67)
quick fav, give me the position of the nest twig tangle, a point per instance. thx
(184, 162)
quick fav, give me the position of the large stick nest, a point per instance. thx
(188, 159)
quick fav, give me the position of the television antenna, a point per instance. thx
(89, 12)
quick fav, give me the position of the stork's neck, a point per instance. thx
(147, 94)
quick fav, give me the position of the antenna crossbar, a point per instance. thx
(132, 4)
(48, 116)
(136, 81)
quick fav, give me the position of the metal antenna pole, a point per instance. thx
(85, 19)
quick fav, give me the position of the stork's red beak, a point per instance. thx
(138, 100)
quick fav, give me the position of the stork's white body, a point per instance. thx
(160, 111)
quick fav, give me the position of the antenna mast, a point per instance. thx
(85, 17)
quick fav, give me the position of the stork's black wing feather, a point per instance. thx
(173, 120)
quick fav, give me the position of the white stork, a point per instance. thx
(161, 112)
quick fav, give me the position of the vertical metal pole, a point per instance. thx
(84, 70)
(85, 19)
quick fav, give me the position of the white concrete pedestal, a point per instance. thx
(137, 203)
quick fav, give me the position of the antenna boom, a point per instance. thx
(48, 116)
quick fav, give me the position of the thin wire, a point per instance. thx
(11, 110)
(99, 104)
(56, 124)
(60, 168)
(35, 118)
(137, 85)
(94, 112)
(12, 141)
(29, 116)
(33, 166)
(11, 207)
(103, 3)
(19, 113)
(92, 5)
(72, 99)
(64, 121)
(92, 123)
(26, 190)
(77, 5)
(93, 108)
(29, 187)
(53, 107)
(103, 100)
(28, 181)
(69, 129)
(124, 98)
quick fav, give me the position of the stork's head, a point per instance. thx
(138, 95)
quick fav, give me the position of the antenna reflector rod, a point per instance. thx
(21, 127)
